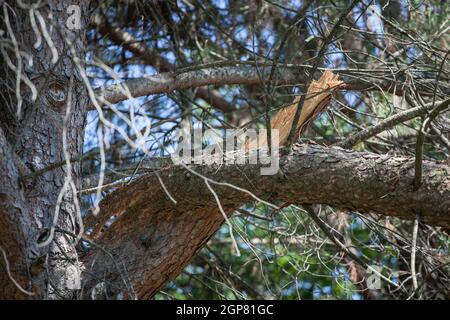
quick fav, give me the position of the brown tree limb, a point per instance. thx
(155, 238)
(168, 82)
(239, 73)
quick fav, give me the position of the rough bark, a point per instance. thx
(153, 239)
(37, 143)
(15, 228)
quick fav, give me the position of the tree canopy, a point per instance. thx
(95, 93)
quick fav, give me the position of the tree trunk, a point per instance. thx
(37, 142)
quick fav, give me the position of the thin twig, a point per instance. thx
(413, 251)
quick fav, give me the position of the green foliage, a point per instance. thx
(290, 261)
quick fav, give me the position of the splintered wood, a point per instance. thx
(317, 99)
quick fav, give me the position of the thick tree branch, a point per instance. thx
(155, 238)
